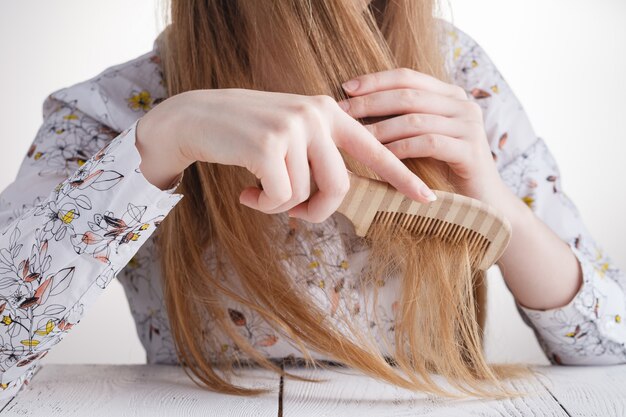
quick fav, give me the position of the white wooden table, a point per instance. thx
(161, 390)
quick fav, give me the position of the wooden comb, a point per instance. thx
(452, 216)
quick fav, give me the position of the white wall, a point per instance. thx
(44, 46)
(564, 59)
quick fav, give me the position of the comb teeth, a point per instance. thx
(417, 225)
(453, 217)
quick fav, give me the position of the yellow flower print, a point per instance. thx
(140, 101)
(4, 386)
(618, 318)
(576, 333)
(528, 200)
(603, 268)
(474, 63)
(314, 264)
(495, 88)
(344, 264)
(47, 330)
(322, 284)
(29, 342)
(317, 252)
(130, 236)
(67, 217)
(70, 116)
(457, 53)
(6, 320)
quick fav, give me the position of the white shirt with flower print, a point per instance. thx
(80, 214)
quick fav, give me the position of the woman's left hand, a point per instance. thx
(433, 119)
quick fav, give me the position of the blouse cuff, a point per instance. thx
(598, 308)
(132, 198)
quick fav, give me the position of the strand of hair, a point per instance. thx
(477, 243)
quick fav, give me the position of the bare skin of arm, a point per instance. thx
(539, 268)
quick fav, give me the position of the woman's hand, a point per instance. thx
(434, 119)
(285, 140)
(437, 120)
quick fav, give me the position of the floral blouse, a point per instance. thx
(80, 214)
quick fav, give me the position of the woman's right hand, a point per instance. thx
(283, 139)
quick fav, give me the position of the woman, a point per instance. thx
(223, 100)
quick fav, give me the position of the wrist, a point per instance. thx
(161, 162)
(503, 199)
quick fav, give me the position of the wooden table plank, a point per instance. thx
(136, 390)
(587, 391)
(161, 390)
(349, 393)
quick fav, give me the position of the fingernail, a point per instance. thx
(430, 196)
(351, 85)
(345, 105)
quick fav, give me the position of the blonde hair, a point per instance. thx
(311, 47)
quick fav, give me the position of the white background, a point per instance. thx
(564, 59)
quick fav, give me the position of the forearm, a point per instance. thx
(539, 268)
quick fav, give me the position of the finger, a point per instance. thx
(299, 175)
(402, 78)
(440, 147)
(331, 178)
(355, 139)
(416, 124)
(402, 101)
(276, 186)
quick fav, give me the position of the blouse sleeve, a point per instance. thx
(76, 213)
(590, 329)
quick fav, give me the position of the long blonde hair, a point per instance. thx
(310, 47)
